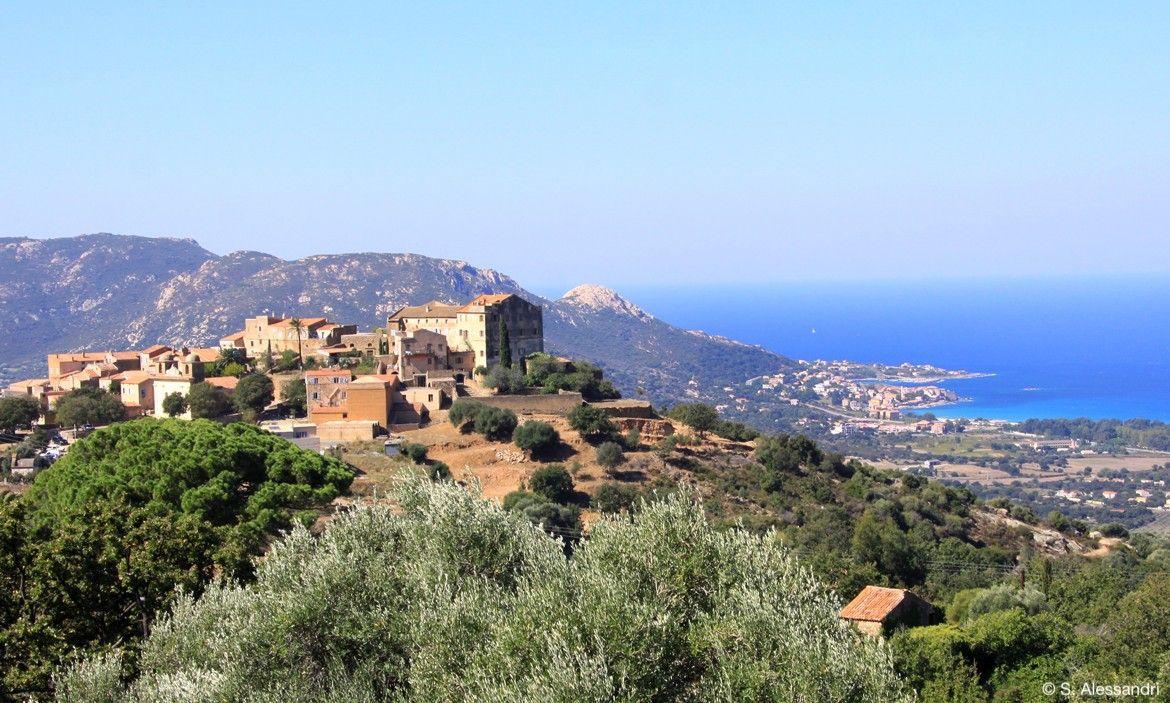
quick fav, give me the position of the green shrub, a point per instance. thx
(438, 471)
(610, 454)
(999, 598)
(447, 597)
(504, 379)
(735, 431)
(294, 397)
(614, 498)
(17, 412)
(207, 401)
(414, 451)
(591, 422)
(552, 482)
(1113, 529)
(463, 411)
(536, 437)
(699, 417)
(495, 423)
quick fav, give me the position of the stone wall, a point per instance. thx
(651, 431)
(626, 408)
(545, 404)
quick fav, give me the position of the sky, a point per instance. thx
(609, 142)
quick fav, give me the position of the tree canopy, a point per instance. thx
(174, 404)
(89, 406)
(448, 597)
(591, 422)
(253, 393)
(207, 401)
(536, 437)
(17, 412)
(105, 535)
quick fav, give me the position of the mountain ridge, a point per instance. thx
(109, 291)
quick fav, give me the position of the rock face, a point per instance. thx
(107, 291)
(594, 297)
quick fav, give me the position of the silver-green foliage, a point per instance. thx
(451, 598)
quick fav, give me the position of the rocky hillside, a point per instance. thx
(107, 291)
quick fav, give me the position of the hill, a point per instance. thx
(106, 291)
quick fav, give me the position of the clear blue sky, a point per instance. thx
(608, 142)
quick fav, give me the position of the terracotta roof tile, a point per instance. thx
(873, 604)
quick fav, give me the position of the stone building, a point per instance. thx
(877, 610)
(266, 334)
(475, 327)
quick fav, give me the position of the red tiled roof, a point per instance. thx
(156, 349)
(132, 377)
(227, 382)
(487, 299)
(431, 309)
(234, 336)
(306, 322)
(873, 604)
(205, 354)
(328, 372)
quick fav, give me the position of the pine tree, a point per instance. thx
(505, 345)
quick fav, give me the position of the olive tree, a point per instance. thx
(448, 597)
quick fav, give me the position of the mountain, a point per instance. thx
(106, 291)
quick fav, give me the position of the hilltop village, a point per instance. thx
(356, 383)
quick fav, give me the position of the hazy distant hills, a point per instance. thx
(105, 291)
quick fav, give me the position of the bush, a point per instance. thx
(495, 423)
(414, 451)
(463, 411)
(438, 471)
(1114, 529)
(610, 454)
(999, 598)
(504, 380)
(552, 482)
(699, 417)
(536, 437)
(552, 375)
(591, 422)
(614, 498)
(473, 604)
(735, 431)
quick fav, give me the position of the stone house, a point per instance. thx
(877, 610)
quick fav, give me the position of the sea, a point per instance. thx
(1076, 347)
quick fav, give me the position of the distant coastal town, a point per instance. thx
(877, 391)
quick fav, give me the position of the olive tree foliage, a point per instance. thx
(449, 597)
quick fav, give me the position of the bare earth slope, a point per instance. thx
(109, 291)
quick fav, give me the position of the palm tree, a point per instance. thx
(295, 323)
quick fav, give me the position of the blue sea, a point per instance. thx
(1096, 348)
